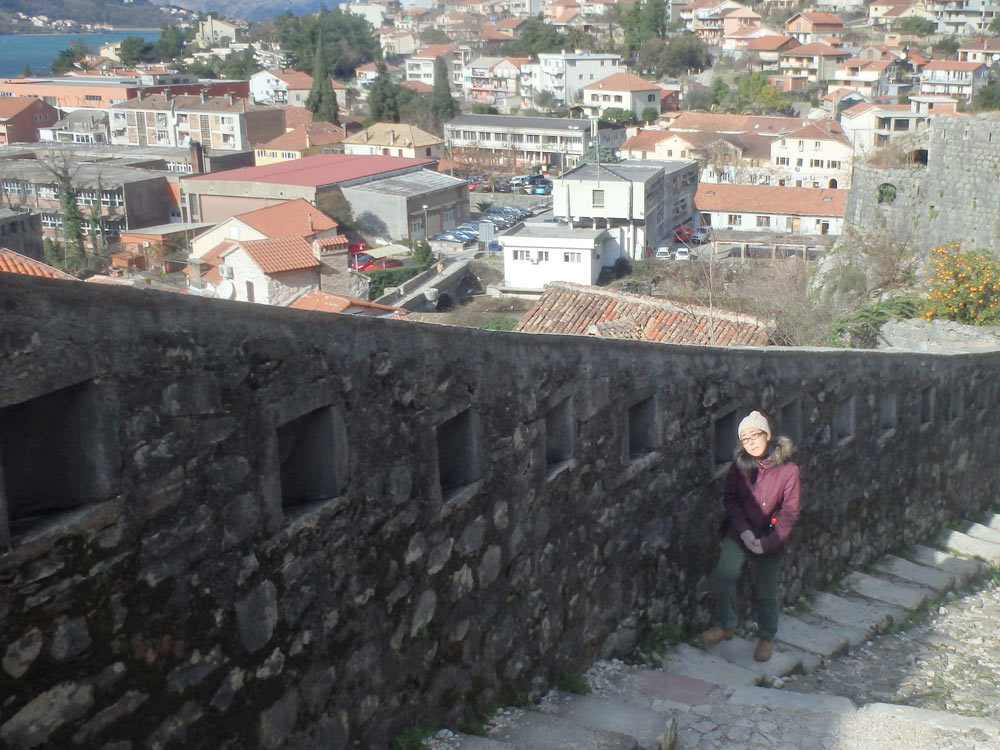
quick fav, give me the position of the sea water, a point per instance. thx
(38, 50)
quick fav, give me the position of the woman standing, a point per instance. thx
(762, 506)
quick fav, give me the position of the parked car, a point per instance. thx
(682, 235)
(699, 235)
(357, 247)
(376, 265)
(447, 237)
(360, 259)
(682, 253)
(664, 253)
(473, 186)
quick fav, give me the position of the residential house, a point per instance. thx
(420, 67)
(495, 81)
(769, 208)
(810, 63)
(214, 32)
(223, 123)
(985, 50)
(22, 116)
(622, 91)
(581, 310)
(705, 18)
(963, 17)
(559, 8)
(564, 74)
(768, 49)
(722, 157)
(397, 42)
(738, 40)
(508, 142)
(288, 87)
(869, 78)
(79, 126)
(415, 20)
(813, 27)
(298, 143)
(365, 75)
(818, 155)
(869, 126)
(395, 139)
(148, 246)
(640, 202)
(953, 78)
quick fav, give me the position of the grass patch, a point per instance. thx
(660, 638)
(572, 682)
(414, 738)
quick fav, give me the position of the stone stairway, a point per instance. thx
(721, 698)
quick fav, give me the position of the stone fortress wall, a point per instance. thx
(241, 527)
(953, 198)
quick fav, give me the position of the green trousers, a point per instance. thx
(767, 569)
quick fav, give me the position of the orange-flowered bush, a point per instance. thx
(964, 286)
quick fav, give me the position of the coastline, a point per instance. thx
(115, 30)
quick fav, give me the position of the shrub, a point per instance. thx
(860, 329)
(500, 323)
(384, 277)
(964, 286)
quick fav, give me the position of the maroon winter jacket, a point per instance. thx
(774, 493)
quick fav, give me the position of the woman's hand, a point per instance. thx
(752, 543)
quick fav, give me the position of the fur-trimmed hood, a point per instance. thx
(780, 450)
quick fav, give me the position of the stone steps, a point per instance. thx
(648, 709)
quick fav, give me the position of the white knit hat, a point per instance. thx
(754, 421)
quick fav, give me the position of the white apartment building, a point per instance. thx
(502, 141)
(622, 91)
(812, 157)
(870, 78)
(953, 78)
(565, 74)
(641, 202)
(420, 67)
(495, 81)
(982, 50)
(870, 126)
(964, 17)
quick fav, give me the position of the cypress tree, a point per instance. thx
(443, 106)
(383, 101)
(322, 99)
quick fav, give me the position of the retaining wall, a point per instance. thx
(236, 526)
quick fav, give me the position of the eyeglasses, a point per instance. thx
(752, 437)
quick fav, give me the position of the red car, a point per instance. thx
(683, 234)
(376, 265)
(357, 247)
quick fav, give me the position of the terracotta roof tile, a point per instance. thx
(770, 43)
(319, 134)
(953, 65)
(280, 254)
(212, 260)
(434, 51)
(771, 199)
(419, 86)
(645, 140)
(298, 217)
(336, 303)
(622, 82)
(816, 49)
(11, 262)
(595, 311)
(14, 105)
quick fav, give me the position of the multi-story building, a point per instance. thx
(495, 81)
(953, 78)
(767, 208)
(224, 123)
(21, 231)
(508, 142)
(22, 116)
(79, 126)
(704, 18)
(287, 87)
(640, 202)
(420, 67)
(811, 63)
(814, 156)
(299, 142)
(870, 78)
(70, 93)
(212, 32)
(622, 91)
(963, 17)
(870, 126)
(811, 27)
(564, 74)
(982, 50)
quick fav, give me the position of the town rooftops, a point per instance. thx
(827, 130)
(307, 136)
(395, 134)
(317, 171)
(726, 123)
(295, 217)
(622, 82)
(567, 308)
(769, 199)
(645, 140)
(956, 65)
(434, 51)
(319, 301)
(280, 254)
(206, 104)
(11, 262)
(411, 183)
(825, 19)
(770, 43)
(989, 44)
(816, 49)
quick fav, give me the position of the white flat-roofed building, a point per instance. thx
(536, 254)
(517, 142)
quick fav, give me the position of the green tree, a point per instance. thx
(915, 26)
(422, 254)
(649, 114)
(434, 36)
(349, 40)
(546, 99)
(718, 90)
(653, 19)
(66, 58)
(964, 286)
(594, 154)
(484, 109)
(754, 94)
(322, 100)
(697, 99)
(135, 50)
(442, 105)
(240, 65)
(987, 98)
(994, 27)
(618, 114)
(537, 36)
(685, 52)
(383, 97)
(171, 43)
(947, 46)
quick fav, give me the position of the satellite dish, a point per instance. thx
(225, 290)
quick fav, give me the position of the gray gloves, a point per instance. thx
(752, 543)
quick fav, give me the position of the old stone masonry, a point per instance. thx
(901, 658)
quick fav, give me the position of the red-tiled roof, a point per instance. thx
(770, 199)
(434, 51)
(11, 106)
(622, 82)
(827, 18)
(419, 86)
(645, 140)
(770, 43)
(596, 311)
(307, 136)
(11, 262)
(824, 130)
(314, 171)
(816, 49)
(989, 44)
(298, 217)
(336, 303)
(334, 240)
(280, 254)
(953, 65)
(726, 123)
(212, 260)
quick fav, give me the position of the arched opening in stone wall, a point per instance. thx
(919, 156)
(833, 184)
(444, 303)
(886, 193)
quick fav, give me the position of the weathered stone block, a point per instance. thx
(256, 616)
(39, 719)
(21, 654)
(278, 721)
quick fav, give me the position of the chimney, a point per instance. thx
(197, 157)
(196, 266)
(167, 95)
(232, 98)
(308, 146)
(204, 95)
